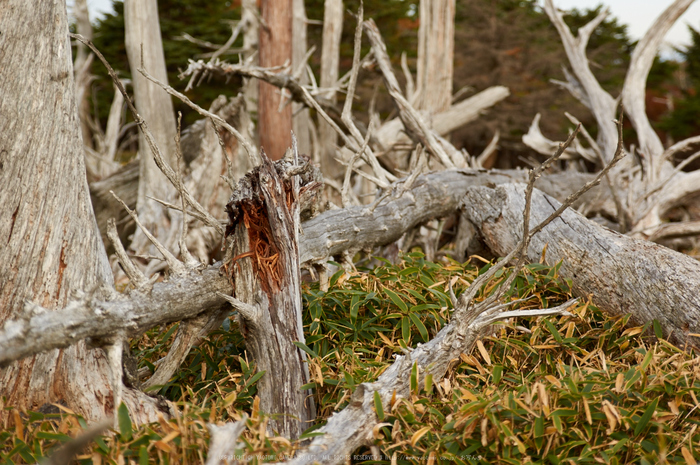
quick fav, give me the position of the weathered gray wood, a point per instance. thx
(446, 121)
(634, 88)
(51, 245)
(657, 187)
(621, 274)
(324, 236)
(353, 427)
(432, 196)
(99, 318)
(125, 183)
(436, 41)
(330, 57)
(301, 118)
(600, 102)
(81, 68)
(278, 79)
(250, 15)
(224, 441)
(111, 137)
(264, 225)
(144, 47)
(414, 123)
(204, 150)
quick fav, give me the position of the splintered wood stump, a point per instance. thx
(264, 227)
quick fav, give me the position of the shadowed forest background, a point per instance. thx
(508, 43)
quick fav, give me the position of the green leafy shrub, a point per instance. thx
(584, 388)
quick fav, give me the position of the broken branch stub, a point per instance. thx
(263, 262)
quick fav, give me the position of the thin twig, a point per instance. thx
(252, 153)
(176, 266)
(155, 150)
(346, 115)
(468, 296)
(182, 242)
(137, 278)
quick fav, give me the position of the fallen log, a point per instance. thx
(621, 275)
(431, 196)
(327, 235)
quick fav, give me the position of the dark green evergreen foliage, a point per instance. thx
(609, 47)
(662, 74)
(511, 43)
(202, 19)
(684, 120)
(692, 57)
(396, 19)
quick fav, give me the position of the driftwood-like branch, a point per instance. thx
(137, 278)
(600, 102)
(275, 77)
(445, 122)
(541, 144)
(352, 427)
(224, 441)
(143, 126)
(189, 334)
(431, 196)
(175, 300)
(633, 90)
(250, 150)
(346, 115)
(176, 266)
(675, 230)
(412, 120)
(684, 147)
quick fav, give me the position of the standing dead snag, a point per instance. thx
(264, 227)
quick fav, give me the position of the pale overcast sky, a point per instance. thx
(637, 14)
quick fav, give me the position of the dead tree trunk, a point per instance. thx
(264, 224)
(51, 245)
(330, 56)
(274, 117)
(436, 42)
(144, 48)
(82, 68)
(301, 117)
(249, 14)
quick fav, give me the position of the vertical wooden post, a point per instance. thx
(275, 123)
